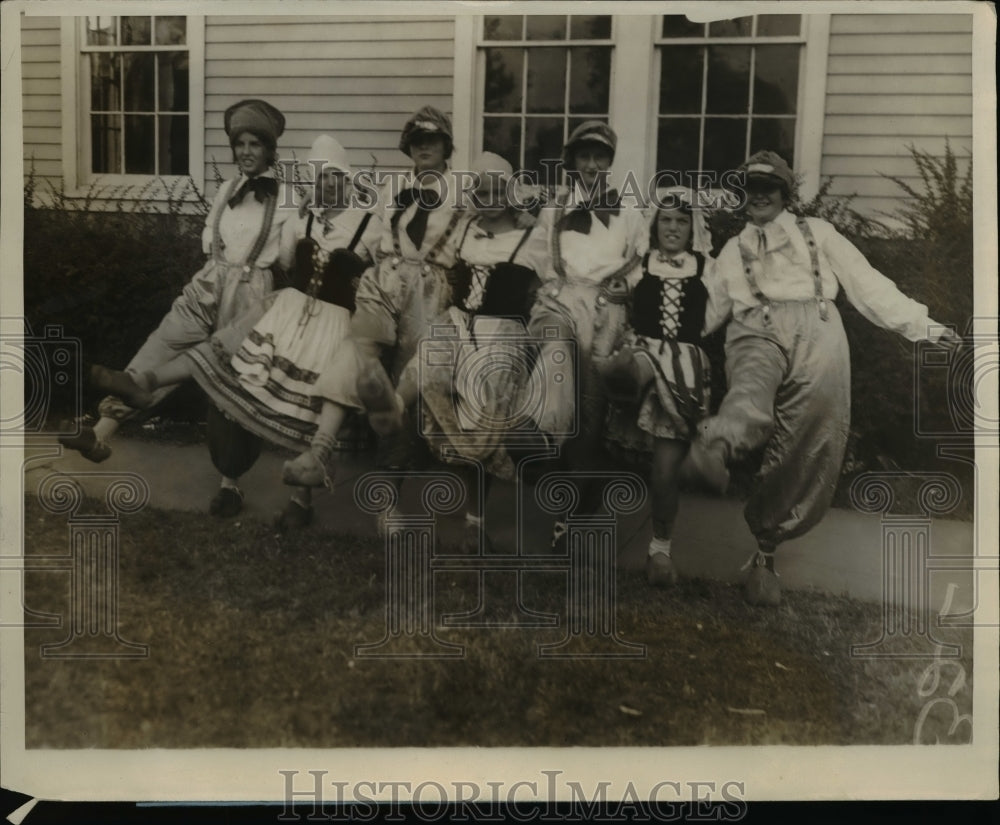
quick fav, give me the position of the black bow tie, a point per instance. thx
(262, 188)
(426, 200)
(603, 206)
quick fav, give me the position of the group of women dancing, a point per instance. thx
(607, 307)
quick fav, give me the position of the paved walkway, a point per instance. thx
(843, 555)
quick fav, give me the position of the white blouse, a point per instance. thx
(239, 227)
(784, 273)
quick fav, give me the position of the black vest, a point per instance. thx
(647, 300)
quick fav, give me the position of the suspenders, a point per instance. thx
(765, 302)
(611, 286)
(431, 257)
(270, 205)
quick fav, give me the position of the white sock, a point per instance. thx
(659, 546)
(471, 519)
(302, 497)
(105, 428)
(229, 483)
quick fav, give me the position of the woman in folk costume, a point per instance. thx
(242, 237)
(263, 371)
(661, 374)
(472, 381)
(409, 287)
(596, 245)
(787, 361)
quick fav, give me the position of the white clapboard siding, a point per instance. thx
(894, 80)
(355, 78)
(41, 100)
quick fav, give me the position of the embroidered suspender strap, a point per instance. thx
(800, 222)
(431, 256)
(555, 245)
(270, 205)
(465, 234)
(752, 281)
(520, 243)
(216, 240)
(359, 231)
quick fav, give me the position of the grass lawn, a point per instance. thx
(251, 644)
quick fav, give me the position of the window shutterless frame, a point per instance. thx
(76, 103)
(525, 44)
(813, 42)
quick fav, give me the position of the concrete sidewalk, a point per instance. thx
(843, 555)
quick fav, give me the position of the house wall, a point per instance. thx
(892, 80)
(41, 98)
(356, 78)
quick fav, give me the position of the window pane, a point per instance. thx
(590, 27)
(171, 31)
(546, 27)
(173, 158)
(725, 143)
(173, 81)
(677, 143)
(776, 134)
(739, 27)
(504, 69)
(589, 79)
(728, 80)
(776, 80)
(105, 83)
(502, 27)
(101, 31)
(138, 70)
(776, 25)
(135, 31)
(105, 144)
(546, 80)
(680, 80)
(543, 138)
(503, 136)
(139, 145)
(677, 25)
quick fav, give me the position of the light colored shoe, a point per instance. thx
(761, 586)
(306, 470)
(661, 570)
(382, 403)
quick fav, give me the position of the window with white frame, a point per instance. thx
(135, 88)
(727, 89)
(540, 77)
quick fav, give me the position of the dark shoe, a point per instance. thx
(706, 464)
(122, 385)
(761, 586)
(87, 445)
(226, 503)
(661, 570)
(294, 516)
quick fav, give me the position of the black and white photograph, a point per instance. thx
(340, 469)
